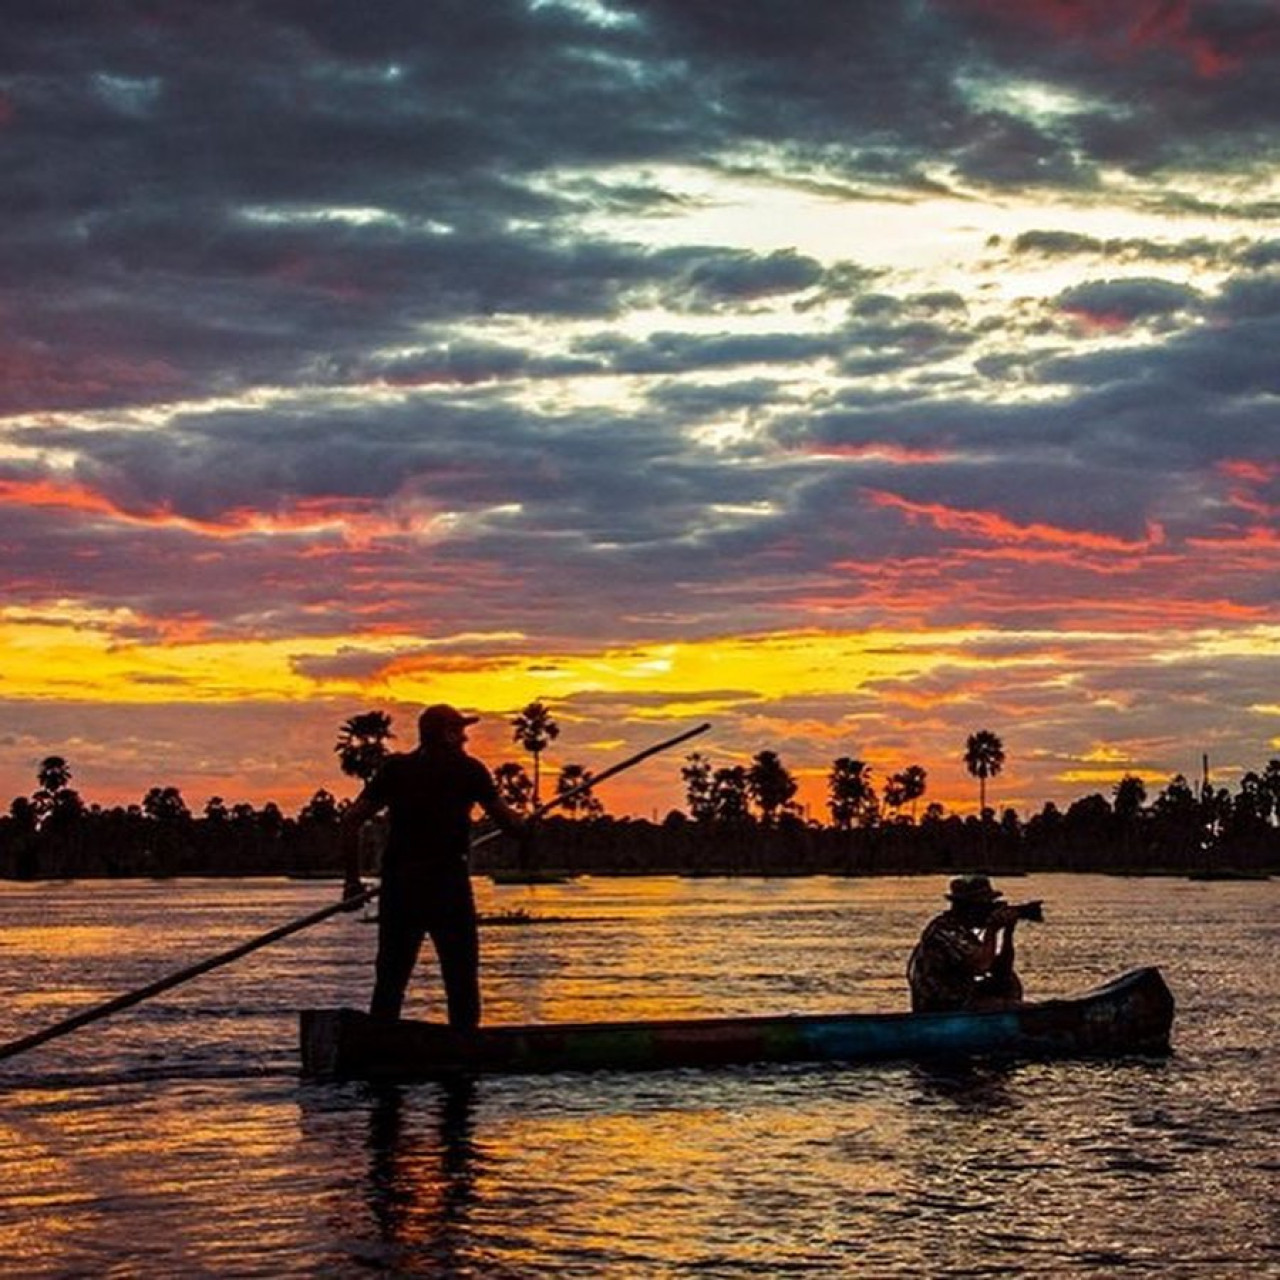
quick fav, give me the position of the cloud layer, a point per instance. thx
(864, 374)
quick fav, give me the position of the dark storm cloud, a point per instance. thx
(194, 230)
(303, 102)
(622, 502)
(682, 352)
(903, 78)
(614, 507)
(463, 455)
(1129, 299)
(742, 277)
(1133, 444)
(1212, 370)
(295, 306)
(1166, 85)
(201, 229)
(1196, 249)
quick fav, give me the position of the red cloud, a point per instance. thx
(1245, 477)
(355, 519)
(1117, 30)
(45, 493)
(1098, 321)
(1249, 470)
(993, 527)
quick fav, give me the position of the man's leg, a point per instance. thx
(399, 940)
(457, 942)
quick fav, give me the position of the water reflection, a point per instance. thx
(975, 1086)
(421, 1184)
(195, 1163)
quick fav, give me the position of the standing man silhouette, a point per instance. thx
(429, 794)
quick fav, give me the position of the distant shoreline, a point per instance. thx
(559, 879)
(98, 848)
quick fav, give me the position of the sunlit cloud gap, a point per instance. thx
(908, 233)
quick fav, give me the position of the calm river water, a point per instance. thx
(176, 1138)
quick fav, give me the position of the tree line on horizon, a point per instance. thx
(737, 817)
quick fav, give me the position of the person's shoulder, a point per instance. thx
(944, 925)
(392, 768)
(477, 767)
(397, 762)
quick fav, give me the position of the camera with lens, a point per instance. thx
(1021, 910)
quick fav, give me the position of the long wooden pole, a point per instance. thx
(21, 1045)
(175, 979)
(590, 784)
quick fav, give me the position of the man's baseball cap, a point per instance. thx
(442, 716)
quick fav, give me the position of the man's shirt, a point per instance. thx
(429, 795)
(944, 965)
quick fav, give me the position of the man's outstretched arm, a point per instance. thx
(358, 813)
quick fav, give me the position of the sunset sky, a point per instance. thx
(853, 374)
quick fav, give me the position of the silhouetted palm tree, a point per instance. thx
(984, 758)
(695, 773)
(165, 804)
(514, 785)
(905, 787)
(321, 810)
(362, 743)
(1128, 797)
(729, 795)
(915, 781)
(535, 731)
(54, 774)
(770, 785)
(583, 802)
(850, 791)
(1271, 790)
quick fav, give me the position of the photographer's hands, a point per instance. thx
(1005, 916)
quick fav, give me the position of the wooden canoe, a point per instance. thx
(1132, 1014)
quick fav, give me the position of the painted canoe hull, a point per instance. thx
(1132, 1014)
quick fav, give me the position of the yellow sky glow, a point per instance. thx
(68, 653)
(88, 656)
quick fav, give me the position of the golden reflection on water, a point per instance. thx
(69, 999)
(167, 1172)
(421, 1181)
(654, 948)
(599, 1171)
(37, 1187)
(66, 940)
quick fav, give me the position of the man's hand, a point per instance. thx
(352, 889)
(1005, 916)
